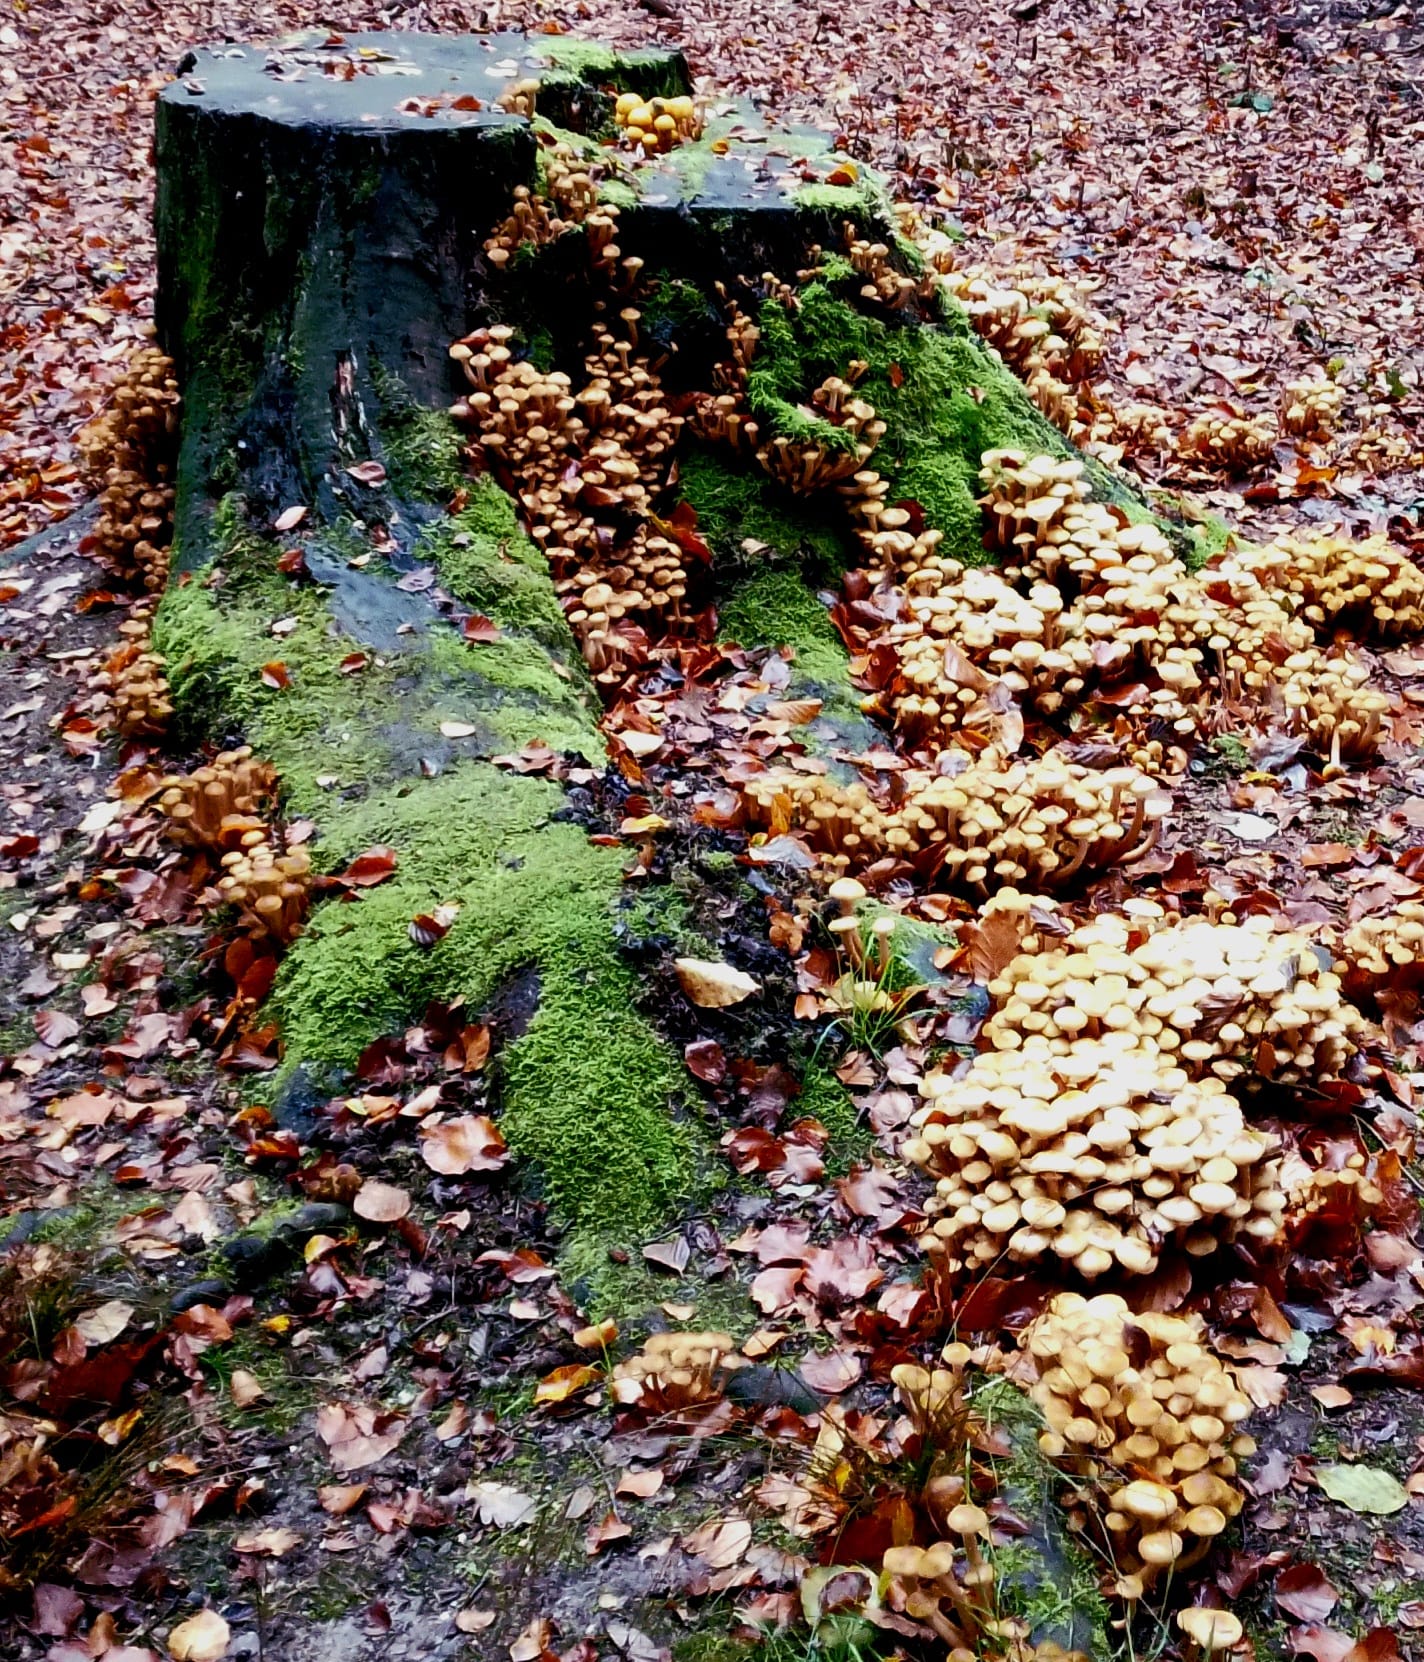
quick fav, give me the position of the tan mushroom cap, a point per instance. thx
(1213, 1630)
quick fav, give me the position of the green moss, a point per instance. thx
(585, 1090)
(824, 1098)
(652, 73)
(775, 608)
(328, 727)
(1046, 1578)
(735, 503)
(422, 446)
(944, 397)
(485, 560)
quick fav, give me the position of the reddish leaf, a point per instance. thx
(478, 629)
(374, 866)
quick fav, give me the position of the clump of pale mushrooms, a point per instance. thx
(676, 1370)
(1227, 439)
(1375, 949)
(132, 679)
(129, 452)
(217, 805)
(1142, 1395)
(1310, 408)
(1042, 823)
(1098, 1158)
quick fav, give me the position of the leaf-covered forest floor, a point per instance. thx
(342, 1451)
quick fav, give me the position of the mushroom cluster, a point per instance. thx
(215, 807)
(1142, 1395)
(1310, 408)
(1333, 583)
(675, 1371)
(584, 464)
(1237, 1000)
(884, 285)
(1045, 823)
(1372, 952)
(568, 197)
(270, 888)
(1039, 513)
(950, 1586)
(129, 451)
(1099, 1157)
(132, 680)
(653, 125)
(1227, 439)
(1039, 325)
(849, 431)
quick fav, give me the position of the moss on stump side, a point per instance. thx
(586, 1089)
(944, 397)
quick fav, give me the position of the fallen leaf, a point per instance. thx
(244, 1388)
(267, 1543)
(290, 518)
(374, 866)
(358, 1434)
(365, 473)
(379, 1202)
(101, 1326)
(719, 1544)
(457, 729)
(501, 1504)
(1304, 1591)
(1363, 1488)
(565, 1382)
(202, 1638)
(713, 986)
(470, 1142)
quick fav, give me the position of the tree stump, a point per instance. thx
(351, 602)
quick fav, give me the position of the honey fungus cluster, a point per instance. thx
(1043, 823)
(1311, 408)
(1099, 1123)
(584, 463)
(655, 125)
(133, 681)
(676, 1370)
(1227, 439)
(1141, 1394)
(222, 809)
(129, 452)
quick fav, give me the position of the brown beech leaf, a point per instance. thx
(374, 866)
(478, 629)
(358, 1434)
(202, 1638)
(379, 1202)
(1304, 1591)
(367, 473)
(340, 1498)
(721, 1543)
(275, 676)
(290, 518)
(54, 1028)
(832, 1373)
(471, 1142)
(610, 1528)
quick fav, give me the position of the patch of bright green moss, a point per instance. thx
(215, 631)
(649, 72)
(585, 1090)
(734, 502)
(824, 1098)
(944, 398)
(485, 560)
(422, 446)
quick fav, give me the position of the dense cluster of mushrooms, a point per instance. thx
(1141, 1394)
(974, 823)
(129, 450)
(676, 1370)
(224, 809)
(132, 681)
(654, 125)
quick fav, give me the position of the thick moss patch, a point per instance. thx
(586, 1088)
(334, 728)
